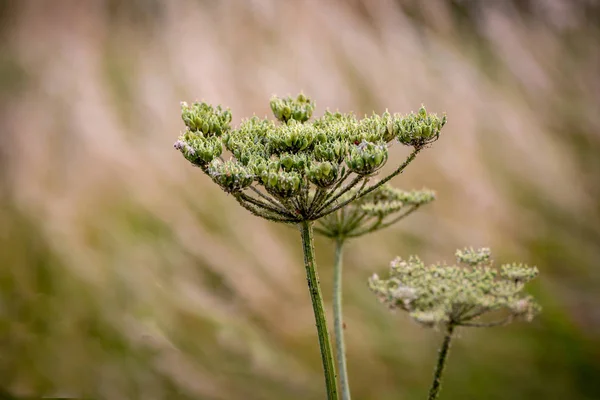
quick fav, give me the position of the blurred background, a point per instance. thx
(126, 274)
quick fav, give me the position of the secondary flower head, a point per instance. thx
(295, 169)
(442, 294)
(379, 209)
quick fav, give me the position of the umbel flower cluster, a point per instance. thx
(300, 170)
(296, 170)
(440, 294)
(379, 209)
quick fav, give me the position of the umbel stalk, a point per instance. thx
(314, 289)
(338, 322)
(436, 385)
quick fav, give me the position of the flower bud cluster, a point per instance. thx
(418, 129)
(323, 174)
(282, 184)
(197, 149)
(201, 117)
(459, 295)
(297, 158)
(299, 109)
(230, 175)
(374, 211)
(472, 256)
(367, 158)
(415, 197)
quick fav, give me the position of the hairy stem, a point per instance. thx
(261, 204)
(439, 369)
(345, 203)
(338, 322)
(261, 213)
(335, 196)
(381, 225)
(270, 199)
(314, 288)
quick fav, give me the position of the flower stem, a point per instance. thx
(439, 369)
(314, 288)
(338, 323)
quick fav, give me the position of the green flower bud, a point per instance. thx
(281, 184)
(230, 175)
(259, 166)
(197, 149)
(375, 129)
(299, 109)
(367, 158)
(286, 112)
(202, 117)
(249, 140)
(291, 138)
(334, 152)
(293, 162)
(322, 174)
(419, 129)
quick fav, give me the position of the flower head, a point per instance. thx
(377, 210)
(297, 169)
(459, 295)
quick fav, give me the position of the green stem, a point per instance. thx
(317, 302)
(322, 211)
(439, 369)
(338, 323)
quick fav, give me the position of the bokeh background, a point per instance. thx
(126, 274)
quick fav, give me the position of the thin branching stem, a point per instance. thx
(323, 232)
(362, 193)
(344, 203)
(320, 194)
(398, 170)
(343, 190)
(382, 225)
(503, 322)
(351, 226)
(439, 369)
(353, 219)
(260, 213)
(262, 205)
(344, 176)
(270, 199)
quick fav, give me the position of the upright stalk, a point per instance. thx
(338, 322)
(439, 369)
(317, 301)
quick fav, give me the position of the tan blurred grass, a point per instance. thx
(193, 295)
